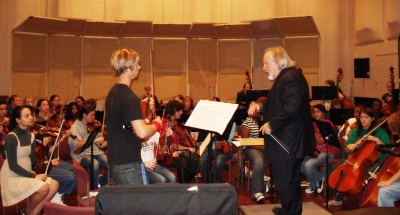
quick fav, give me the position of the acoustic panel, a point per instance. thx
(29, 53)
(202, 72)
(368, 21)
(96, 54)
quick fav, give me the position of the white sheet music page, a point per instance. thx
(211, 116)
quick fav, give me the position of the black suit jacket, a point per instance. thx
(288, 111)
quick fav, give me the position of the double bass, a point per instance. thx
(347, 103)
(390, 107)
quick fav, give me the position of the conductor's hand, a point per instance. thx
(265, 129)
(254, 108)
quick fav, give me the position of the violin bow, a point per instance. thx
(55, 145)
(372, 130)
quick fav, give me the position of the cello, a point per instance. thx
(390, 107)
(348, 178)
(369, 196)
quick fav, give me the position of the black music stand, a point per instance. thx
(330, 138)
(324, 92)
(89, 143)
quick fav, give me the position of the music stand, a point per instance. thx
(339, 116)
(324, 92)
(89, 143)
(330, 138)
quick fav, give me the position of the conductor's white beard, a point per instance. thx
(271, 76)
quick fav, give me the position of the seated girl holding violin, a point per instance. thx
(80, 129)
(186, 166)
(17, 179)
(61, 171)
(71, 115)
(311, 162)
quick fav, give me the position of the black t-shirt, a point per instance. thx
(122, 107)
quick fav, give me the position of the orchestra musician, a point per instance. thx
(309, 167)
(43, 112)
(365, 123)
(80, 129)
(61, 171)
(389, 190)
(3, 127)
(13, 102)
(123, 108)
(241, 96)
(54, 101)
(255, 154)
(18, 181)
(80, 101)
(186, 166)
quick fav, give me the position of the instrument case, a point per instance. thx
(167, 199)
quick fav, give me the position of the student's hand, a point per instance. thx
(42, 177)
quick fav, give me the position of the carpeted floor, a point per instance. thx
(309, 208)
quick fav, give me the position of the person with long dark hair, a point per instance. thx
(18, 181)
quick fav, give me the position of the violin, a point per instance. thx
(164, 154)
(41, 152)
(186, 139)
(369, 197)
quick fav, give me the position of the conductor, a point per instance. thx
(287, 117)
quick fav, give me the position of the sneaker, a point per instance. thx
(335, 203)
(58, 199)
(259, 197)
(320, 186)
(309, 190)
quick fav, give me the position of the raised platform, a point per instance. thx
(309, 208)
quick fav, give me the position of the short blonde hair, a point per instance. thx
(123, 59)
(279, 56)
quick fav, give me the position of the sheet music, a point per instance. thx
(211, 116)
(204, 144)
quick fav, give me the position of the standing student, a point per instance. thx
(287, 116)
(123, 108)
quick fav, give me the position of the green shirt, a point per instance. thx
(380, 133)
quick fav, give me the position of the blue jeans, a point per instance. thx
(256, 157)
(220, 162)
(64, 174)
(98, 161)
(127, 174)
(309, 168)
(160, 175)
(389, 194)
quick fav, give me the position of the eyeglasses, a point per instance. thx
(365, 117)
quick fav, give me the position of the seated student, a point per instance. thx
(61, 171)
(187, 167)
(17, 179)
(365, 124)
(311, 162)
(155, 173)
(255, 154)
(80, 130)
(219, 156)
(3, 127)
(389, 190)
